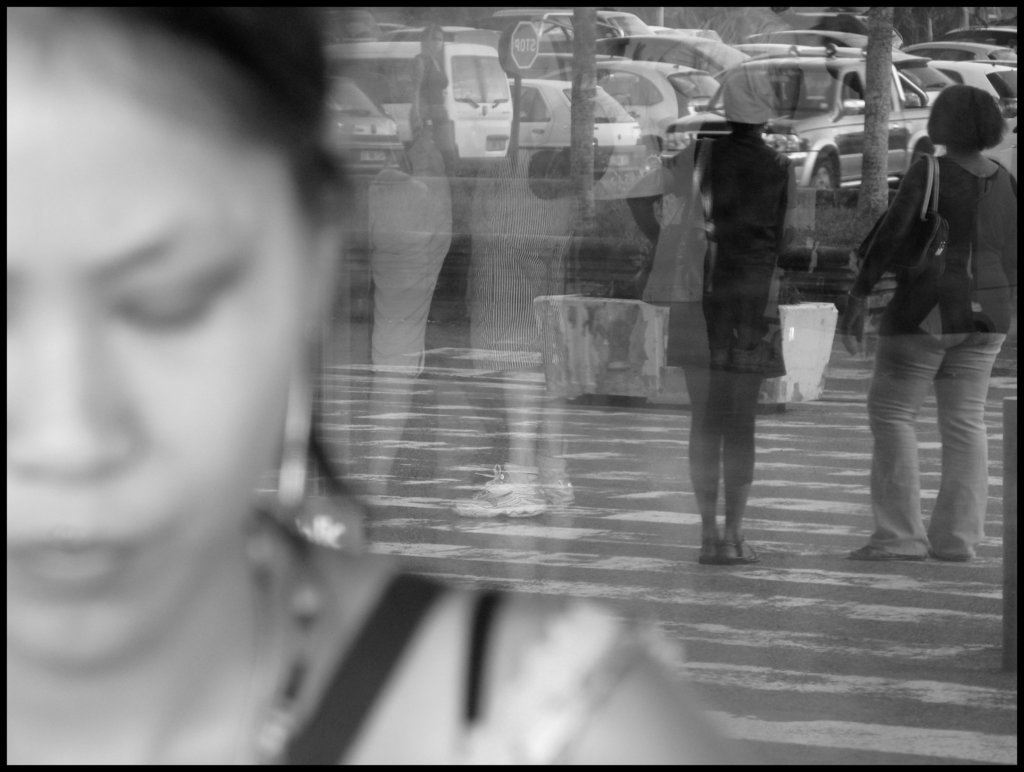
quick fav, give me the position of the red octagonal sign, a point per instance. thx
(524, 45)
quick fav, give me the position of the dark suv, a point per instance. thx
(819, 105)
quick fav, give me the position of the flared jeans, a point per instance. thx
(905, 367)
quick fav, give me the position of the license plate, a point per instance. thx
(372, 155)
(619, 160)
(497, 143)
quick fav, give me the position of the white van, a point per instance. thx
(478, 97)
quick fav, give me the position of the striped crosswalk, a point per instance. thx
(805, 657)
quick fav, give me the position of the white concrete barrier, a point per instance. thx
(617, 347)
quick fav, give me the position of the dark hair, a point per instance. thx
(276, 56)
(430, 30)
(965, 118)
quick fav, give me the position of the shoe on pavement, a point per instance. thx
(734, 553)
(870, 552)
(500, 496)
(949, 558)
(558, 493)
(710, 553)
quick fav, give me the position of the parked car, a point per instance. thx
(831, 21)
(1000, 35)
(545, 122)
(655, 93)
(360, 131)
(452, 34)
(610, 23)
(819, 105)
(1000, 80)
(478, 98)
(813, 37)
(700, 53)
(960, 50)
(923, 73)
(700, 32)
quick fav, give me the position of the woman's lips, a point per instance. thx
(63, 566)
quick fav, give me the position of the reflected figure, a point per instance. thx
(520, 242)
(410, 231)
(428, 109)
(737, 190)
(943, 328)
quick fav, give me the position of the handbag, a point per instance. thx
(680, 254)
(925, 246)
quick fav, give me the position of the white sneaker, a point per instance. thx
(500, 496)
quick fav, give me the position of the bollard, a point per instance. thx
(1010, 533)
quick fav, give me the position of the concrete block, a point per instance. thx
(602, 345)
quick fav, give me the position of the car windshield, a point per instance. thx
(629, 24)
(346, 97)
(984, 35)
(1005, 83)
(796, 92)
(924, 76)
(606, 108)
(478, 80)
(692, 87)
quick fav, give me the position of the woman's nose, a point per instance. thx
(68, 417)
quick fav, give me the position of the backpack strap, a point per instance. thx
(483, 619)
(362, 672)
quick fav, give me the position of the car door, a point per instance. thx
(536, 124)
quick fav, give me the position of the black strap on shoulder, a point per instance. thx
(363, 671)
(483, 616)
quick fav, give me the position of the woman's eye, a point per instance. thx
(167, 312)
(181, 304)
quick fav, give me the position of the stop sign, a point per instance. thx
(524, 45)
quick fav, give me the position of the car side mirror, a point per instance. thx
(914, 100)
(853, 107)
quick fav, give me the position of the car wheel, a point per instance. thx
(825, 176)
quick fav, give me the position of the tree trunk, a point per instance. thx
(584, 92)
(878, 89)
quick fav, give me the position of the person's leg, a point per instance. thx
(552, 445)
(738, 448)
(961, 386)
(905, 367)
(705, 451)
(515, 488)
(522, 411)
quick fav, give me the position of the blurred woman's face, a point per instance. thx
(156, 300)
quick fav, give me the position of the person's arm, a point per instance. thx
(900, 219)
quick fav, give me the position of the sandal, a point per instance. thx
(869, 552)
(709, 553)
(733, 553)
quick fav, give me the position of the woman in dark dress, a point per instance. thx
(717, 336)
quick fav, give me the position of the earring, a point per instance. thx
(335, 521)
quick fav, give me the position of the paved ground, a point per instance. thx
(805, 657)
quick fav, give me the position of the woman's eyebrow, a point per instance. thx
(160, 252)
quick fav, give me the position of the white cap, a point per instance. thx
(747, 96)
